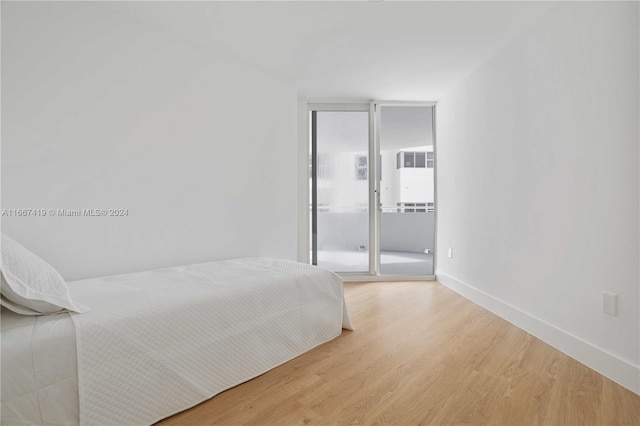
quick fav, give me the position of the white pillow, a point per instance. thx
(29, 284)
(16, 308)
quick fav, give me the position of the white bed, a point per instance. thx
(158, 342)
(39, 370)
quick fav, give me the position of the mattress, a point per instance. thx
(159, 342)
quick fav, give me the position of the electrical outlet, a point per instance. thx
(610, 303)
(450, 253)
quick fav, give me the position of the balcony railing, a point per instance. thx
(405, 208)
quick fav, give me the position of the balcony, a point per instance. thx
(406, 240)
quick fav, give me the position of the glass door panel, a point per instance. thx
(340, 190)
(407, 203)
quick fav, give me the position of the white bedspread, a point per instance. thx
(158, 342)
(39, 373)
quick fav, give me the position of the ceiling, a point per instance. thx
(380, 50)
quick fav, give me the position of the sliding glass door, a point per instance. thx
(407, 202)
(372, 217)
(340, 189)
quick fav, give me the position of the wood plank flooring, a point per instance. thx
(422, 354)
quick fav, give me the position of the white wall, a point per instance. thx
(538, 184)
(389, 184)
(103, 111)
(413, 232)
(416, 185)
(343, 231)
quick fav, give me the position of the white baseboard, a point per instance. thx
(605, 363)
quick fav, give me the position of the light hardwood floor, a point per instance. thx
(422, 354)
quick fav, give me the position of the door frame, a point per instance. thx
(305, 107)
(342, 106)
